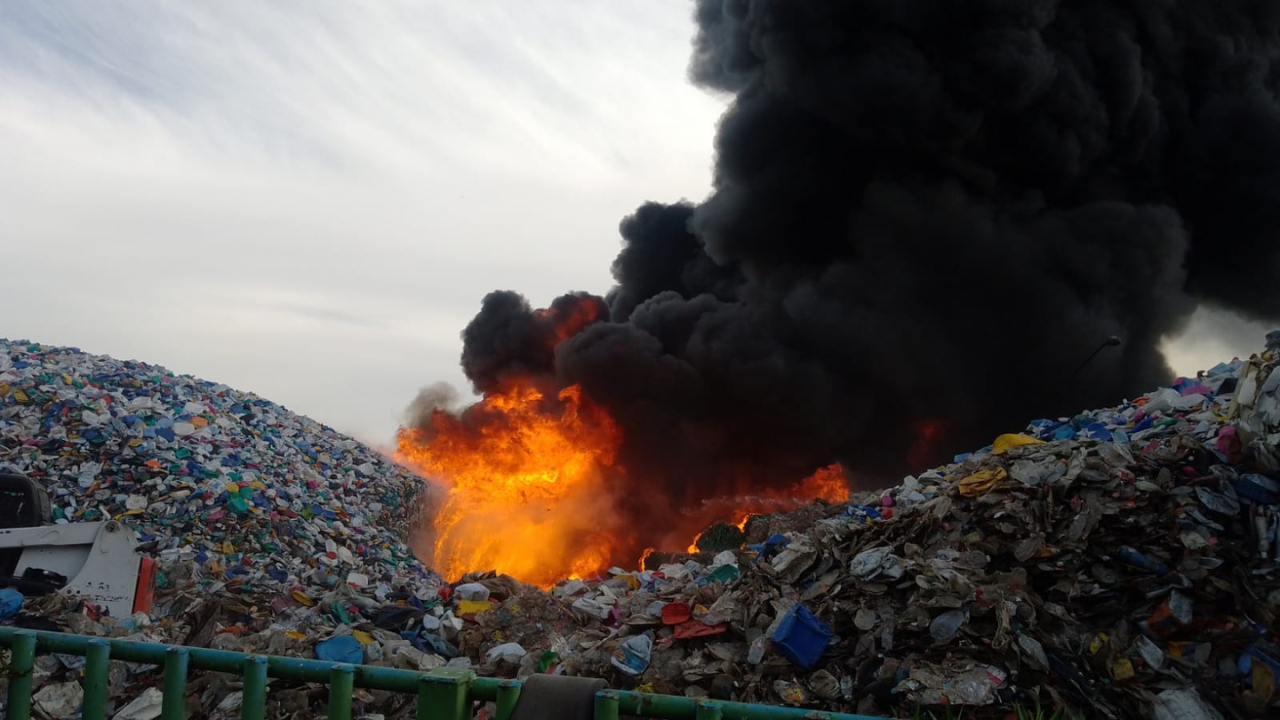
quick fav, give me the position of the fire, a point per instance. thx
(567, 322)
(827, 484)
(530, 484)
(524, 475)
(740, 524)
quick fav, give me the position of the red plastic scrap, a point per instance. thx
(676, 613)
(695, 628)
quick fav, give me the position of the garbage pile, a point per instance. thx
(241, 487)
(248, 508)
(1124, 562)
(1121, 563)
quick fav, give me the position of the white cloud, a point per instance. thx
(309, 199)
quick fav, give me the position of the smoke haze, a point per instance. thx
(926, 215)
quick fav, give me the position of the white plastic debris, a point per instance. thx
(877, 562)
(506, 652)
(1183, 704)
(58, 700)
(474, 592)
(146, 706)
(590, 608)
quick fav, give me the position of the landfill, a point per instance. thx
(1124, 562)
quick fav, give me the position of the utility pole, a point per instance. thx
(1112, 341)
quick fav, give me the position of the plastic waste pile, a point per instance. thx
(1124, 562)
(248, 507)
(247, 491)
(1121, 563)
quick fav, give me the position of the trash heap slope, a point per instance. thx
(1122, 562)
(252, 494)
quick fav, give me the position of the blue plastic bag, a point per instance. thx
(10, 603)
(1258, 489)
(343, 649)
(1066, 432)
(440, 646)
(801, 637)
(632, 657)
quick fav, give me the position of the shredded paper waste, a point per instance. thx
(1123, 563)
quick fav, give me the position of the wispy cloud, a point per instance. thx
(293, 196)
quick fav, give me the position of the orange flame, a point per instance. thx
(524, 485)
(827, 484)
(532, 488)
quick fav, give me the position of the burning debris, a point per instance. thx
(924, 218)
(1124, 561)
(532, 489)
(525, 471)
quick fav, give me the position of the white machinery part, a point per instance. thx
(97, 559)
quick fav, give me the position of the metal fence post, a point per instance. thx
(508, 694)
(173, 706)
(341, 685)
(606, 705)
(22, 663)
(444, 694)
(253, 702)
(97, 663)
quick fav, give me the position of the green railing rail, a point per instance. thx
(442, 694)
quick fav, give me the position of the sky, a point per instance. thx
(308, 199)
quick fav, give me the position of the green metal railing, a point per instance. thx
(442, 694)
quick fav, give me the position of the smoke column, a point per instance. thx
(925, 216)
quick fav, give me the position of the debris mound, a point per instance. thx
(1124, 562)
(256, 496)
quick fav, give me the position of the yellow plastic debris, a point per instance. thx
(363, 637)
(466, 607)
(1004, 443)
(1096, 644)
(1264, 682)
(1122, 669)
(981, 481)
(793, 694)
(303, 598)
(295, 635)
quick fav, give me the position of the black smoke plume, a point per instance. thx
(926, 214)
